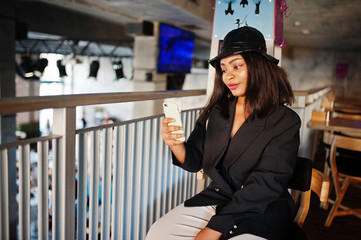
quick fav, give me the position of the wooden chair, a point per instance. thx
(327, 104)
(318, 116)
(304, 180)
(327, 141)
(345, 168)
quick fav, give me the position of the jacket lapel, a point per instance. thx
(244, 137)
(217, 140)
(218, 134)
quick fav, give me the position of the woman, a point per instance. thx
(246, 141)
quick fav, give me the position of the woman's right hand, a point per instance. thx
(167, 132)
(169, 138)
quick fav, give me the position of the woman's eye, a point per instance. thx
(238, 67)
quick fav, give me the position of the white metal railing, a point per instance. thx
(24, 165)
(138, 182)
(125, 179)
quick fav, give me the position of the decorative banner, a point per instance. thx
(280, 8)
(341, 70)
(260, 14)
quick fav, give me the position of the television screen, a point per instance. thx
(175, 50)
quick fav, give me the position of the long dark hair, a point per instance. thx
(267, 88)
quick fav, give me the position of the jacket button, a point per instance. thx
(230, 232)
(241, 186)
(216, 189)
(235, 226)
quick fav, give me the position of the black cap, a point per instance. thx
(241, 40)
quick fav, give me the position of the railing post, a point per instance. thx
(106, 183)
(64, 204)
(82, 185)
(24, 192)
(4, 200)
(43, 186)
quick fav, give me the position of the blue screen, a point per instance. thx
(176, 48)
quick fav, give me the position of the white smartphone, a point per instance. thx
(171, 110)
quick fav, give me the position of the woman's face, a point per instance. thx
(235, 74)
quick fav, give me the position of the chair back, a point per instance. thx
(319, 116)
(345, 142)
(327, 138)
(301, 178)
(320, 184)
(345, 156)
(306, 179)
(345, 164)
(327, 104)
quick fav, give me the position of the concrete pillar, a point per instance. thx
(7, 89)
(145, 76)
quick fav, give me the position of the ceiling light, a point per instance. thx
(40, 67)
(61, 68)
(26, 65)
(30, 71)
(118, 68)
(306, 32)
(297, 23)
(94, 67)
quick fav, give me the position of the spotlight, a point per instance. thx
(118, 68)
(94, 67)
(40, 67)
(27, 71)
(61, 67)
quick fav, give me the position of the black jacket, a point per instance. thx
(249, 172)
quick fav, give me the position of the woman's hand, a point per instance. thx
(208, 234)
(169, 138)
(167, 132)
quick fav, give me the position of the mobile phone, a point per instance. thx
(171, 110)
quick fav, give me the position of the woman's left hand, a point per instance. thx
(208, 234)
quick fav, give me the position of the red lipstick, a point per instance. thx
(232, 86)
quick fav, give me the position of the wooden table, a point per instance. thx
(345, 109)
(346, 126)
(348, 101)
(347, 105)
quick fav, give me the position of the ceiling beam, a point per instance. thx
(47, 18)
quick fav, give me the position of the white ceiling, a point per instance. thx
(332, 24)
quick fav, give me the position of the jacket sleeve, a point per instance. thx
(265, 184)
(194, 149)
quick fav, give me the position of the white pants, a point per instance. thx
(184, 223)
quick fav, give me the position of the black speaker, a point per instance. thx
(21, 30)
(142, 28)
(175, 81)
